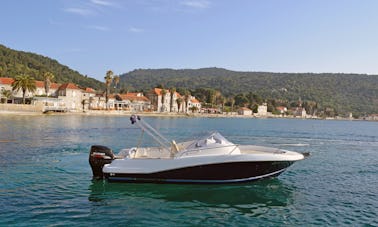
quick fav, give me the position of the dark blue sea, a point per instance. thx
(45, 178)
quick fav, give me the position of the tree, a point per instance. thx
(222, 101)
(173, 91)
(108, 80)
(231, 100)
(116, 81)
(25, 83)
(241, 100)
(254, 99)
(193, 109)
(6, 95)
(187, 99)
(211, 98)
(48, 76)
(310, 107)
(179, 102)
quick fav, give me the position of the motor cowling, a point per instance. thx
(98, 157)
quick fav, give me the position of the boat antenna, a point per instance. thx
(159, 138)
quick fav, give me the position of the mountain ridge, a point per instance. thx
(345, 92)
(15, 62)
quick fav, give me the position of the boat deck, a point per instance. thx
(161, 153)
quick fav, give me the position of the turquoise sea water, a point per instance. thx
(45, 178)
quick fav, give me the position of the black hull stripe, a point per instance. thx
(133, 179)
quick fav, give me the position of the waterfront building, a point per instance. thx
(135, 102)
(281, 109)
(262, 110)
(66, 96)
(299, 112)
(160, 99)
(245, 111)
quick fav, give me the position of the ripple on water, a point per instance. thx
(46, 179)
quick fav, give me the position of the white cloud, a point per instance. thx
(102, 2)
(199, 4)
(79, 11)
(99, 28)
(136, 30)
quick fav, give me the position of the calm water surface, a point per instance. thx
(46, 179)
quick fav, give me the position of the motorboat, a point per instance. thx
(211, 159)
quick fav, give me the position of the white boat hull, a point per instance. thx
(204, 169)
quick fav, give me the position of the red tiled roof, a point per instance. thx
(39, 84)
(6, 80)
(282, 108)
(195, 100)
(157, 91)
(89, 90)
(68, 86)
(133, 97)
(54, 85)
(244, 108)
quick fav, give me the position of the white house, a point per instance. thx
(262, 110)
(245, 111)
(193, 102)
(171, 103)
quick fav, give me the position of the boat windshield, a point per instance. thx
(215, 139)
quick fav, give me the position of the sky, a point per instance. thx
(93, 36)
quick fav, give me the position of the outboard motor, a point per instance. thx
(98, 157)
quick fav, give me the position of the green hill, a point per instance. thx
(356, 93)
(13, 63)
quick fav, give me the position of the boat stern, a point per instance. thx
(98, 157)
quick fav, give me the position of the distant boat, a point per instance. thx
(209, 160)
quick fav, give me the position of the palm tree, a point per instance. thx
(48, 76)
(108, 80)
(179, 102)
(116, 81)
(222, 100)
(232, 101)
(173, 91)
(187, 98)
(6, 95)
(25, 83)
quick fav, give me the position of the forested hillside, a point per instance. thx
(345, 93)
(13, 63)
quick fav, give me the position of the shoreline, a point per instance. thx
(164, 115)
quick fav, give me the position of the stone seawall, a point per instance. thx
(38, 108)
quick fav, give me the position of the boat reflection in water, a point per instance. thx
(247, 198)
